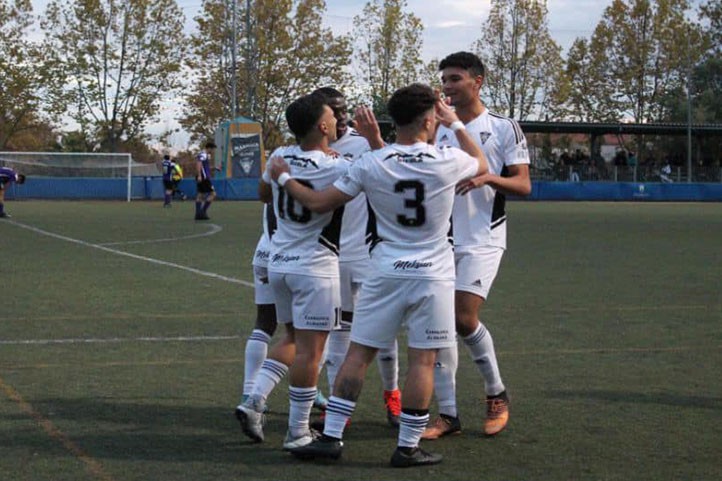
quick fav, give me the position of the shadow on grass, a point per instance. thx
(661, 398)
(108, 428)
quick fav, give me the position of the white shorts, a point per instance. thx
(476, 269)
(353, 274)
(263, 294)
(311, 303)
(424, 306)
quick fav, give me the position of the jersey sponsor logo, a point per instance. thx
(484, 136)
(476, 283)
(284, 258)
(444, 138)
(302, 162)
(408, 158)
(411, 265)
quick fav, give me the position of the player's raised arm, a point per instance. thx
(322, 201)
(365, 124)
(448, 118)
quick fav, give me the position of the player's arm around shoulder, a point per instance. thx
(318, 201)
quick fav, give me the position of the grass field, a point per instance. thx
(122, 329)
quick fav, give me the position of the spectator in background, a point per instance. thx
(172, 175)
(665, 173)
(7, 177)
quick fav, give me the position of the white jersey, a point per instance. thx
(355, 215)
(410, 189)
(263, 247)
(305, 242)
(479, 217)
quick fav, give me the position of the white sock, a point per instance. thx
(447, 361)
(337, 346)
(301, 401)
(256, 351)
(411, 429)
(268, 377)
(481, 347)
(338, 412)
(388, 361)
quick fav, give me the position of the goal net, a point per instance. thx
(76, 164)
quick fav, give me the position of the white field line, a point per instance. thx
(212, 275)
(116, 340)
(214, 229)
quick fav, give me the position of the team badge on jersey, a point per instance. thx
(484, 136)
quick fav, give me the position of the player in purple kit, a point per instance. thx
(7, 176)
(206, 192)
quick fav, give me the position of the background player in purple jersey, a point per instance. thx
(7, 176)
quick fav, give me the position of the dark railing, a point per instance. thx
(614, 173)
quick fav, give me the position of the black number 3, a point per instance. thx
(415, 202)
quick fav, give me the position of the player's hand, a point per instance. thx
(467, 185)
(444, 113)
(365, 124)
(278, 166)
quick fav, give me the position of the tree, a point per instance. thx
(711, 11)
(388, 49)
(587, 96)
(523, 62)
(284, 52)
(122, 58)
(650, 48)
(25, 77)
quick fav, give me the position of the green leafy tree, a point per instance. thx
(388, 49)
(283, 51)
(524, 63)
(588, 96)
(122, 58)
(26, 79)
(650, 48)
(711, 11)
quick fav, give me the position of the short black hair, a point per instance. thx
(466, 60)
(210, 145)
(329, 92)
(20, 179)
(410, 102)
(166, 157)
(303, 114)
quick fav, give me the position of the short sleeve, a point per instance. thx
(515, 147)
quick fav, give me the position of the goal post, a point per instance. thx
(90, 166)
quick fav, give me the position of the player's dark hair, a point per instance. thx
(210, 145)
(409, 103)
(303, 114)
(166, 157)
(329, 92)
(20, 179)
(466, 60)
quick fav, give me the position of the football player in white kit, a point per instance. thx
(257, 343)
(410, 188)
(479, 231)
(303, 273)
(354, 262)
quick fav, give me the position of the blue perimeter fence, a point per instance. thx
(151, 188)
